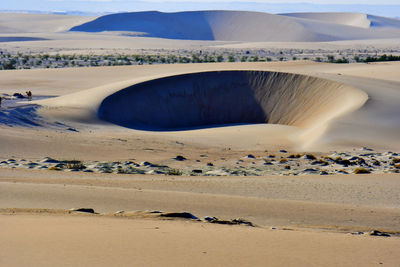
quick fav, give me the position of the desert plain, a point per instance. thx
(281, 162)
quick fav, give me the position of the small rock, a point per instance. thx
(180, 158)
(250, 156)
(86, 210)
(197, 171)
(367, 149)
(72, 130)
(49, 160)
(283, 151)
(210, 164)
(184, 215)
(310, 157)
(18, 95)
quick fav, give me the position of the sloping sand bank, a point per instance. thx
(210, 99)
(312, 218)
(40, 240)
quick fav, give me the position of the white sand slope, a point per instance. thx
(247, 26)
(349, 19)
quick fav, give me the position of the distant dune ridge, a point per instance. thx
(247, 26)
(38, 23)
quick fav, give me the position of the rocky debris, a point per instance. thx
(379, 233)
(357, 233)
(239, 221)
(295, 164)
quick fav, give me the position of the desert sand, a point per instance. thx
(221, 141)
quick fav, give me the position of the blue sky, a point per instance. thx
(377, 7)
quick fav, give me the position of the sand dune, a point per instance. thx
(209, 99)
(246, 26)
(35, 23)
(349, 19)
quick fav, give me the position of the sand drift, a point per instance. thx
(213, 98)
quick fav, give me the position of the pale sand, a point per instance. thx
(40, 240)
(312, 229)
(350, 202)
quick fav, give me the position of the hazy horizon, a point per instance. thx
(109, 6)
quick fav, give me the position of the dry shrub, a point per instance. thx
(361, 171)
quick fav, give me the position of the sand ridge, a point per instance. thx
(245, 26)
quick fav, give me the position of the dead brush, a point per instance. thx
(361, 171)
(174, 172)
(75, 165)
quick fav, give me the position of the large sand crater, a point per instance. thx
(213, 98)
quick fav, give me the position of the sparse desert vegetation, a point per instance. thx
(10, 61)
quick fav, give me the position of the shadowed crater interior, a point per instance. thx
(208, 99)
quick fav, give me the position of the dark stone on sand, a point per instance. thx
(379, 233)
(310, 157)
(18, 95)
(250, 156)
(184, 215)
(180, 158)
(283, 151)
(72, 130)
(344, 162)
(210, 164)
(85, 210)
(197, 171)
(49, 160)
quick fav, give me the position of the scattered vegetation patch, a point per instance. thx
(381, 58)
(361, 171)
(283, 160)
(74, 165)
(395, 160)
(174, 172)
(295, 156)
